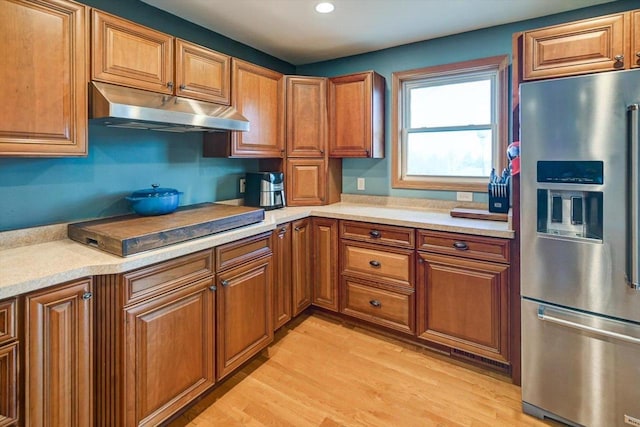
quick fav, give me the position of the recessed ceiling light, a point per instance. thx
(324, 7)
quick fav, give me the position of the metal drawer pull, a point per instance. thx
(597, 331)
(213, 288)
(375, 234)
(374, 263)
(375, 303)
(461, 246)
(87, 295)
(224, 283)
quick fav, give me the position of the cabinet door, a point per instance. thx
(168, 352)
(356, 115)
(129, 54)
(325, 263)
(202, 73)
(301, 265)
(9, 384)
(634, 60)
(59, 356)
(44, 74)
(306, 116)
(282, 267)
(257, 93)
(580, 47)
(464, 304)
(305, 182)
(244, 317)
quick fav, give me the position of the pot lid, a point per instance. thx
(155, 191)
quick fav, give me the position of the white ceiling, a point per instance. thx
(291, 29)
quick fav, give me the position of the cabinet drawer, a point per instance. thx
(464, 245)
(370, 261)
(159, 278)
(385, 307)
(8, 328)
(377, 233)
(244, 250)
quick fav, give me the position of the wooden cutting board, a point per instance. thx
(478, 214)
(131, 234)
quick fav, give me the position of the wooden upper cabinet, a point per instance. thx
(586, 46)
(306, 183)
(634, 59)
(202, 73)
(44, 71)
(306, 104)
(258, 94)
(129, 54)
(356, 115)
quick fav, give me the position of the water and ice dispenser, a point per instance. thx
(568, 206)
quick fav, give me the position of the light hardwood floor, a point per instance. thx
(322, 373)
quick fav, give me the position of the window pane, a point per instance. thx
(457, 104)
(453, 153)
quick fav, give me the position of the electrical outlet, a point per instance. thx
(242, 184)
(361, 184)
(464, 196)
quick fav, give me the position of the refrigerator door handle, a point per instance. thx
(634, 188)
(542, 315)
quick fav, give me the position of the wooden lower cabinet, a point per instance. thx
(155, 341)
(9, 384)
(282, 267)
(58, 347)
(244, 313)
(169, 352)
(463, 304)
(325, 263)
(301, 267)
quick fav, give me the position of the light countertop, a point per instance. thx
(33, 259)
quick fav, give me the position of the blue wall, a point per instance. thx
(460, 47)
(36, 191)
(44, 191)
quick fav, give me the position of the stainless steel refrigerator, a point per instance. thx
(579, 256)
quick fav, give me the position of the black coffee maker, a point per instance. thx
(264, 190)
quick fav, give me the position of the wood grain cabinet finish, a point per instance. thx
(129, 54)
(202, 73)
(305, 182)
(378, 263)
(9, 384)
(325, 268)
(634, 54)
(306, 116)
(356, 115)
(9, 413)
(579, 47)
(169, 352)
(44, 74)
(244, 313)
(282, 275)
(301, 265)
(58, 348)
(389, 235)
(155, 341)
(463, 304)
(392, 308)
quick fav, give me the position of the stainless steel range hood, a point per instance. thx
(118, 106)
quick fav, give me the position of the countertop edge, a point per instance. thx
(83, 261)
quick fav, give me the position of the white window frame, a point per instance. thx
(495, 68)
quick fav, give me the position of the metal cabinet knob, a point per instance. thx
(170, 85)
(461, 246)
(619, 58)
(297, 229)
(213, 288)
(375, 303)
(182, 87)
(374, 263)
(375, 234)
(224, 283)
(638, 54)
(87, 295)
